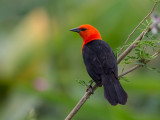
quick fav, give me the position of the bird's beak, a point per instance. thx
(75, 30)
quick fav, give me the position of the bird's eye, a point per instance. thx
(83, 29)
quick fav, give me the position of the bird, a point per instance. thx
(101, 64)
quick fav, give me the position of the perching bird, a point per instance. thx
(101, 64)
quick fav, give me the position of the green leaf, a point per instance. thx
(81, 82)
(124, 78)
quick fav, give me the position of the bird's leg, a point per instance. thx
(90, 87)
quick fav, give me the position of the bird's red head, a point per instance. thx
(87, 32)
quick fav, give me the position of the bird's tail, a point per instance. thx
(113, 90)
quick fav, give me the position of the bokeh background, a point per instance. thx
(41, 61)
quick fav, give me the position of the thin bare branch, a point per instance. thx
(130, 70)
(137, 66)
(128, 50)
(80, 103)
(137, 27)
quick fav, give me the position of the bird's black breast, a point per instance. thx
(99, 59)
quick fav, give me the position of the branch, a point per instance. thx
(81, 102)
(137, 66)
(138, 26)
(129, 49)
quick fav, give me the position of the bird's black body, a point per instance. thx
(101, 65)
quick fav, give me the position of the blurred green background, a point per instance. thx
(41, 61)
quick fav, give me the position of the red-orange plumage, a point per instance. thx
(90, 34)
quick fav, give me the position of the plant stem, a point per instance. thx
(81, 102)
(137, 66)
(137, 27)
(133, 45)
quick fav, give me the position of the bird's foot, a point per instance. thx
(90, 88)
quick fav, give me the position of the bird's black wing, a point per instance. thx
(99, 59)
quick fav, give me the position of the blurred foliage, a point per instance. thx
(40, 60)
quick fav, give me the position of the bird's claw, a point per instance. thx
(90, 88)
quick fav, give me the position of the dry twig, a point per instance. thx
(129, 49)
(137, 27)
(137, 66)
